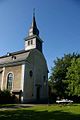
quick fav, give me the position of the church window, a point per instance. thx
(31, 42)
(44, 78)
(13, 57)
(31, 73)
(9, 81)
(28, 42)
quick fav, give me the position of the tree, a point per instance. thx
(59, 72)
(73, 78)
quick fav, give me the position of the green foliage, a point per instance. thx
(66, 69)
(73, 77)
(6, 96)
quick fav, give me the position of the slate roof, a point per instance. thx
(14, 57)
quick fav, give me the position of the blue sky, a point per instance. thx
(58, 22)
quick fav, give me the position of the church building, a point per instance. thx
(25, 72)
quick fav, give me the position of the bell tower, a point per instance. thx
(33, 41)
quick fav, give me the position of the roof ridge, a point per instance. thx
(14, 53)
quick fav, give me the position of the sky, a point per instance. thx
(58, 22)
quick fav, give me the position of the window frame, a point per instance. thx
(10, 87)
(29, 43)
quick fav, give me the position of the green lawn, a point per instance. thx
(42, 112)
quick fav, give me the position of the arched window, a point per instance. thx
(9, 81)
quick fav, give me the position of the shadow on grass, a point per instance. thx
(37, 115)
(7, 106)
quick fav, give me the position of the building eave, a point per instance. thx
(31, 37)
(14, 53)
(15, 63)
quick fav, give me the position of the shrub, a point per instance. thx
(6, 97)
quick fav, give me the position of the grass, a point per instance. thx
(42, 112)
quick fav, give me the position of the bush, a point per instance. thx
(6, 97)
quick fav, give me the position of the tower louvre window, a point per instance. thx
(31, 42)
(28, 42)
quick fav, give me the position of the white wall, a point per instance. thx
(39, 67)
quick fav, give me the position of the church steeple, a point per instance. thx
(33, 29)
(33, 41)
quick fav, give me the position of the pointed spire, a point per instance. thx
(34, 21)
(34, 12)
(33, 30)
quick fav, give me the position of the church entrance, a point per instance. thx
(17, 93)
(38, 93)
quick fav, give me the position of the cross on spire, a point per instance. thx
(34, 12)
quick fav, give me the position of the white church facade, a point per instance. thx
(25, 72)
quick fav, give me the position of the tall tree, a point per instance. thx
(59, 71)
(73, 78)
